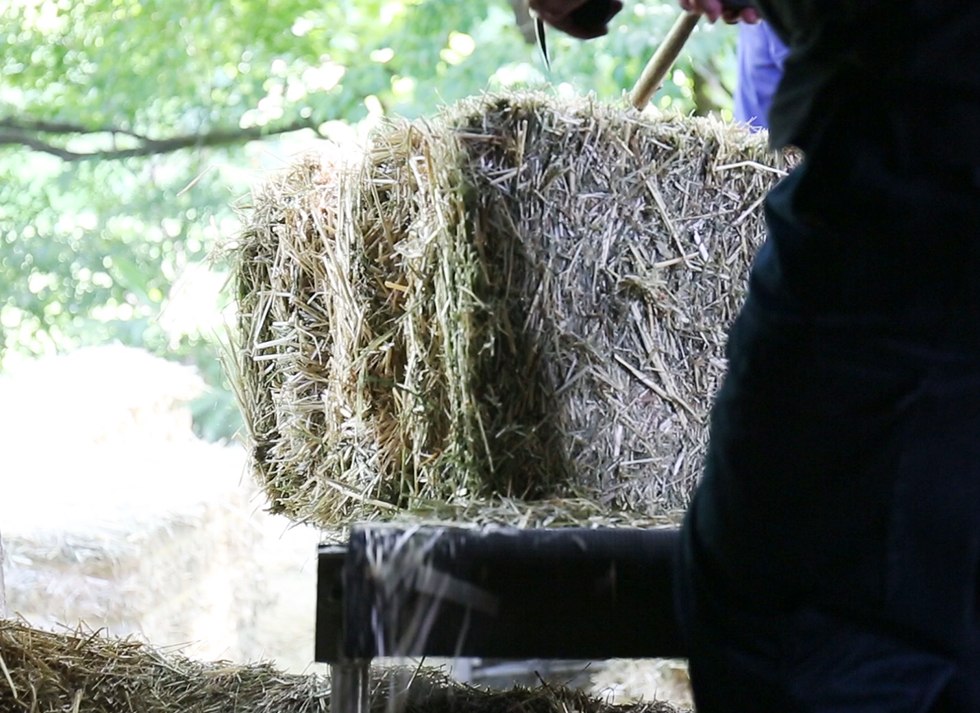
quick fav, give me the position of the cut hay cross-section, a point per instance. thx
(513, 312)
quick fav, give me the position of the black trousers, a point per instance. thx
(830, 555)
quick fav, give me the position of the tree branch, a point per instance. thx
(53, 127)
(19, 134)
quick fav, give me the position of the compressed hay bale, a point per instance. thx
(519, 304)
(89, 673)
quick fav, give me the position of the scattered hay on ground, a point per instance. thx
(524, 299)
(84, 672)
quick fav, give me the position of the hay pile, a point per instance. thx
(519, 304)
(85, 672)
(88, 673)
(176, 577)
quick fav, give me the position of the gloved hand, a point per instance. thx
(728, 10)
(584, 19)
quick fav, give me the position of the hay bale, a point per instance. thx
(130, 522)
(85, 672)
(142, 541)
(518, 305)
(3, 587)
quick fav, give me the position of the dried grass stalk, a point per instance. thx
(523, 300)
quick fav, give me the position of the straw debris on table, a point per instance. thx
(84, 672)
(524, 299)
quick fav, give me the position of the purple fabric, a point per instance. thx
(760, 57)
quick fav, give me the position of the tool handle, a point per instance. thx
(663, 59)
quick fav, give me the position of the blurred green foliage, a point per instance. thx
(95, 249)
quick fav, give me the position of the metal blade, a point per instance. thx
(539, 32)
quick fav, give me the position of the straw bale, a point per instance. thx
(148, 542)
(86, 672)
(521, 301)
(3, 587)
(130, 523)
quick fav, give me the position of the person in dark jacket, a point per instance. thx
(830, 555)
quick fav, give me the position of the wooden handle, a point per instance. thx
(663, 59)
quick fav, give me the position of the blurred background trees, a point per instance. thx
(129, 129)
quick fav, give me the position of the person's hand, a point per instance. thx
(714, 9)
(584, 19)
